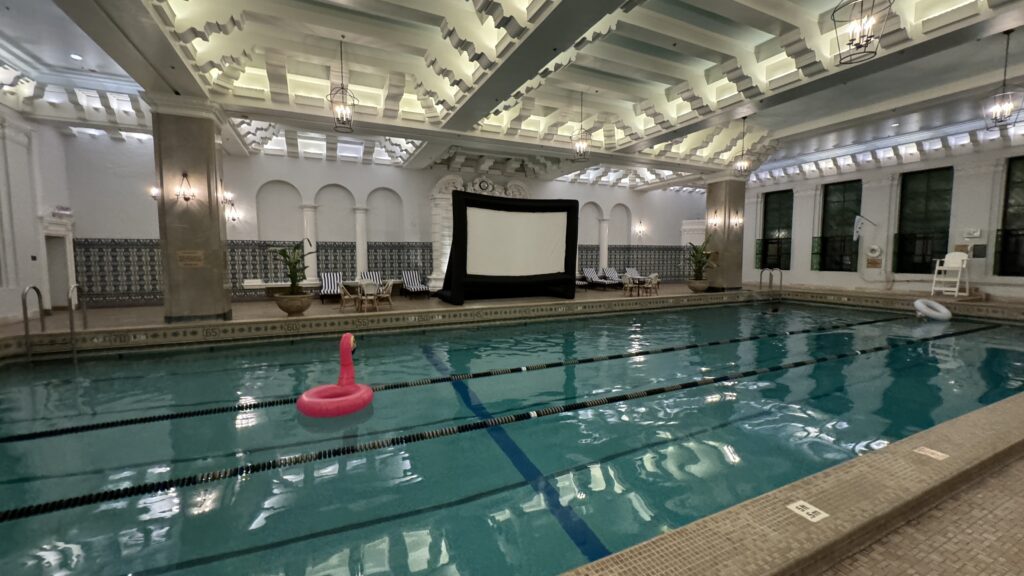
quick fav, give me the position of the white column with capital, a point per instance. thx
(602, 243)
(361, 252)
(309, 231)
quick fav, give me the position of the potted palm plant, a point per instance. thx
(700, 260)
(296, 301)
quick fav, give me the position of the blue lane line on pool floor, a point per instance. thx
(575, 527)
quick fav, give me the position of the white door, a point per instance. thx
(57, 271)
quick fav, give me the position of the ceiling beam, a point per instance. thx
(127, 33)
(558, 31)
(999, 21)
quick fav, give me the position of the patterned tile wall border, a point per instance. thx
(214, 332)
(670, 262)
(999, 311)
(128, 271)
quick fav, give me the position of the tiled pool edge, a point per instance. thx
(113, 340)
(201, 333)
(864, 498)
(998, 311)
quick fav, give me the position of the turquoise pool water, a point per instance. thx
(558, 485)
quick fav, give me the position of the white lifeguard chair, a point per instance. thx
(949, 273)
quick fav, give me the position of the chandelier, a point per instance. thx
(743, 165)
(341, 99)
(1003, 108)
(862, 21)
(581, 139)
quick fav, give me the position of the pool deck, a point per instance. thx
(142, 327)
(863, 499)
(977, 531)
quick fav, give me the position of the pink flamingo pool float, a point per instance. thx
(345, 397)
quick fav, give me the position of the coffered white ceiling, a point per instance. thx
(494, 85)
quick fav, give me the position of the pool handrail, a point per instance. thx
(24, 316)
(73, 291)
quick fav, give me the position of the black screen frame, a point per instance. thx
(460, 286)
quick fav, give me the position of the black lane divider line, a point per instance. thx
(284, 401)
(335, 530)
(244, 470)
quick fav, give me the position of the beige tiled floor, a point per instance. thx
(977, 531)
(266, 309)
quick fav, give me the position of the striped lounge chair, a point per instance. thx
(633, 272)
(613, 276)
(330, 285)
(592, 278)
(412, 284)
(374, 277)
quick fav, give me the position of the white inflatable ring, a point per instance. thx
(932, 309)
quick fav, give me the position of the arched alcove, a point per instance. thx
(620, 225)
(279, 212)
(335, 219)
(590, 215)
(385, 218)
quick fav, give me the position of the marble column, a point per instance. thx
(309, 229)
(361, 255)
(193, 235)
(725, 205)
(602, 243)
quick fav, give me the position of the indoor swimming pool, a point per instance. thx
(518, 449)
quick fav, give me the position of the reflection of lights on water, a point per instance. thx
(203, 501)
(162, 505)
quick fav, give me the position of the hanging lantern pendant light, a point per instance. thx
(742, 166)
(862, 22)
(1003, 108)
(581, 139)
(341, 100)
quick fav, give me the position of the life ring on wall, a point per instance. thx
(874, 251)
(345, 397)
(932, 310)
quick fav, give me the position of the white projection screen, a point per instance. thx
(502, 243)
(510, 247)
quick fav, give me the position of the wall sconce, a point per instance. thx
(737, 220)
(227, 198)
(232, 213)
(715, 221)
(154, 193)
(641, 230)
(185, 190)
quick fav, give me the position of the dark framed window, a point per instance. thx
(923, 236)
(840, 206)
(777, 230)
(1010, 238)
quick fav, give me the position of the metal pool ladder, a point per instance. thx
(771, 278)
(24, 316)
(75, 289)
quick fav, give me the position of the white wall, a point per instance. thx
(279, 212)
(335, 220)
(978, 190)
(244, 176)
(589, 225)
(32, 181)
(108, 180)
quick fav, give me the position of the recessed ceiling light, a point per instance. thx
(895, 124)
(75, 57)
